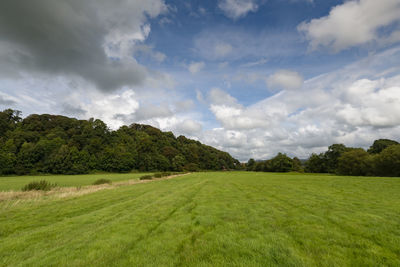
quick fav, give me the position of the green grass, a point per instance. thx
(211, 219)
(16, 183)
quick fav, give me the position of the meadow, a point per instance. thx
(15, 183)
(211, 219)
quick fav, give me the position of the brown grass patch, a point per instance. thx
(66, 192)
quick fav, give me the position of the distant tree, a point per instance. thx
(354, 162)
(191, 167)
(387, 163)
(297, 165)
(380, 145)
(178, 163)
(316, 164)
(332, 156)
(117, 159)
(7, 162)
(250, 165)
(58, 144)
(281, 163)
(8, 119)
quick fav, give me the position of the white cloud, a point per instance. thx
(223, 49)
(217, 96)
(255, 63)
(285, 79)
(353, 23)
(338, 107)
(195, 67)
(188, 127)
(236, 9)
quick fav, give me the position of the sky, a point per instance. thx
(250, 77)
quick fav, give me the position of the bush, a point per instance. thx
(164, 174)
(102, 181)
(158, 175)
(146, 177)
(42, 185)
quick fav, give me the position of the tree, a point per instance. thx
(281, 163)
(380, 145)
(58, 144)
(332, 156)
(387, 163)
(316, 164)
(297, 165)
(354, 162)
(250, 165)
(8, 119)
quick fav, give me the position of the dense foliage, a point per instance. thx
(381, 159)
(280, 163)
(61, 145)
(39, 186)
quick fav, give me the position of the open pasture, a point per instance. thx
(211, 219)
(15, 183)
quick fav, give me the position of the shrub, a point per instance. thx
(146, 177)
(102, 181)
(164, 174)
(41, 185)
(158, 175)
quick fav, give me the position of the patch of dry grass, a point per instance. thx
(67, 192)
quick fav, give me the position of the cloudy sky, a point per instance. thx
(251, 77)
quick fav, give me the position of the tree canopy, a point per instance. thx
(61, 145)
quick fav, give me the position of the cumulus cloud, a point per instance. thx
(195, 67)
(338, 107)
(150, 111)
(188, 127)
(88, 39)
(354, 23)
(216, 96)
(285, 79)
(236, 9)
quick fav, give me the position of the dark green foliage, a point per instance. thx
(41, 185)
(61, 145)
(382, 159)
(332, 156)
(353, 162)
(387, 163)
(316, 164)
(280, 163)
(251, 165)
(191, 167)
(146, 177)
(102, 181)
(380, 145)
(157, 175)
(297, 165)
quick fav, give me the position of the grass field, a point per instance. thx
(211, 219)
(16, 183)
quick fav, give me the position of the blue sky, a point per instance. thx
(251, 77)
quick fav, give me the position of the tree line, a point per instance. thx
(57, 144)
(381, 159)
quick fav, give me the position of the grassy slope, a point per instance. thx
(241, 219)
(16, 183)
